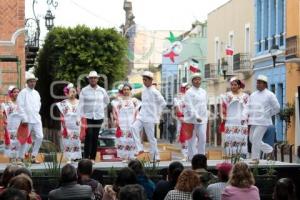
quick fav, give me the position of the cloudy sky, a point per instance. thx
(151, 14)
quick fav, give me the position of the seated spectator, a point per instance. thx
(142, 179)
(187, 181)
(200, 193)
(215, 190)
(85, 170)
(24, 183)
(163, 187)
(69, 188)
(132, 192)
(12, 194)
(199, 165)
(241, 184)
(23, 170)
(126, 176)
(284, 190)
(8, 174)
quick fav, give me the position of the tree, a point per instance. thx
(68, 53)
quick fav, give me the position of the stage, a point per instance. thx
(103, 166)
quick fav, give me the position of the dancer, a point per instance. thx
(151, 108)
(179, 106)
(125, 113)
(14, 148)
(195, 112)
(234, 115)
(262, 106)
(93, 100)
(29, 104)
(70, 124)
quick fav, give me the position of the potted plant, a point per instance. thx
(265, 179)
(286, 113)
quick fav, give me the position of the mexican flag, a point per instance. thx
(194, 66)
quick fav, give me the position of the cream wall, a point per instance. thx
(231, 18)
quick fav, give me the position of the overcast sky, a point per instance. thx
(151, 14)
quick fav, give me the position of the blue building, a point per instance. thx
(270, 30)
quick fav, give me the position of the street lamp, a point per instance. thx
(274, 51)
(49, 18)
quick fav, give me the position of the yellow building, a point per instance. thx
(231, 26)
(292, 61)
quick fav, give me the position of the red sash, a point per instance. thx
(23, 134)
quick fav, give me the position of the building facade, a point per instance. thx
(12, 44)
(230, 48)
(270, 30)
(292, 54)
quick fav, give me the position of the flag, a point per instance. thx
(194, 66)
(229, 51)
(186, 132)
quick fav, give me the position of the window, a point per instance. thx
(217, 50)
(247, 39)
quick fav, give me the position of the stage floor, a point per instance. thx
(164, 164)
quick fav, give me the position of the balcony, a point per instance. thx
(292, 48)
(211, 71)
(241, 62)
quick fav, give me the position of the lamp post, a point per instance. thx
(274, 51)
(49, 20)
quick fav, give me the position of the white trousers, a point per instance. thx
(196, 145)
(136, 130)
(36, 130)
(256, 135)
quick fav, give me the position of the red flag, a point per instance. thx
(118, 132)
(229, 51)
(83, 129)
(23, 133)
(194, 68)
(186, 132)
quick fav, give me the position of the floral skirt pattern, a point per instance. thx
(72, 145)
(236, 140)
(126, 148)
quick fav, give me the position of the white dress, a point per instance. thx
(126, 111)
(71, 134)
(13, 119)
(235, 133)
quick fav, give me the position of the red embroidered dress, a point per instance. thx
(234, 111)
(126, 111)
(70, 130)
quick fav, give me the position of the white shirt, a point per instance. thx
(195, 101)
(92, 102)
(29, 103)
(151, 106)
(262, 106)
(215, 190)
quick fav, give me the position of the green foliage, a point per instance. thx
(69, 53)
(286, 113)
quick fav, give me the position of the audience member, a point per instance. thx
(164, 186)
(241, 184)
(186, 182)
(8, 174)
(24, 183)
(199, 165)
(126, 176)
(85, 170)
(142, 179)
(12, 194)
(69, 188)
(200, 193)
(23, 170)
(132, 192)
(284, 190)
(215, 190)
